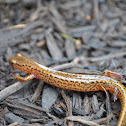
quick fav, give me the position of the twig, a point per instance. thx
(69, 106)
(80, 119)
(12, 89)
(108, 105)
(105, 57)
(37, 92)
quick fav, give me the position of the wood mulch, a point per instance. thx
(77, 36)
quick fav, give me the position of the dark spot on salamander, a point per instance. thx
(82, 83)
(76, 81)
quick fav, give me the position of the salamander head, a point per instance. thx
(22, 63)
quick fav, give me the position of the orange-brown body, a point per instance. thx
(69, 81)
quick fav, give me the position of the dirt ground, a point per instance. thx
(76, 36)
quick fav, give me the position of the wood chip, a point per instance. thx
(70, 48)
(54, 50)
(49, 96)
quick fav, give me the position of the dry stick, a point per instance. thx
(37, 92)
(120, 73)
(102, 120)
(82, 120)
(108, 106)
(11, 103)
(3, 121)
(96, 10)
(77, 65)
(122, 70)
(114, 64)
(105, 57)
(67, 66)
(14, 124)
(12, 89)
(69, 106)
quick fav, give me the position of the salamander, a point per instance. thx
(70, 81)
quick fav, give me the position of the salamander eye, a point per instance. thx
(13, 62)
(18, 54)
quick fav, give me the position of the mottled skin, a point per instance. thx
(69, 81)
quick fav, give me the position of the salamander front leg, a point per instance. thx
(27, 78)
